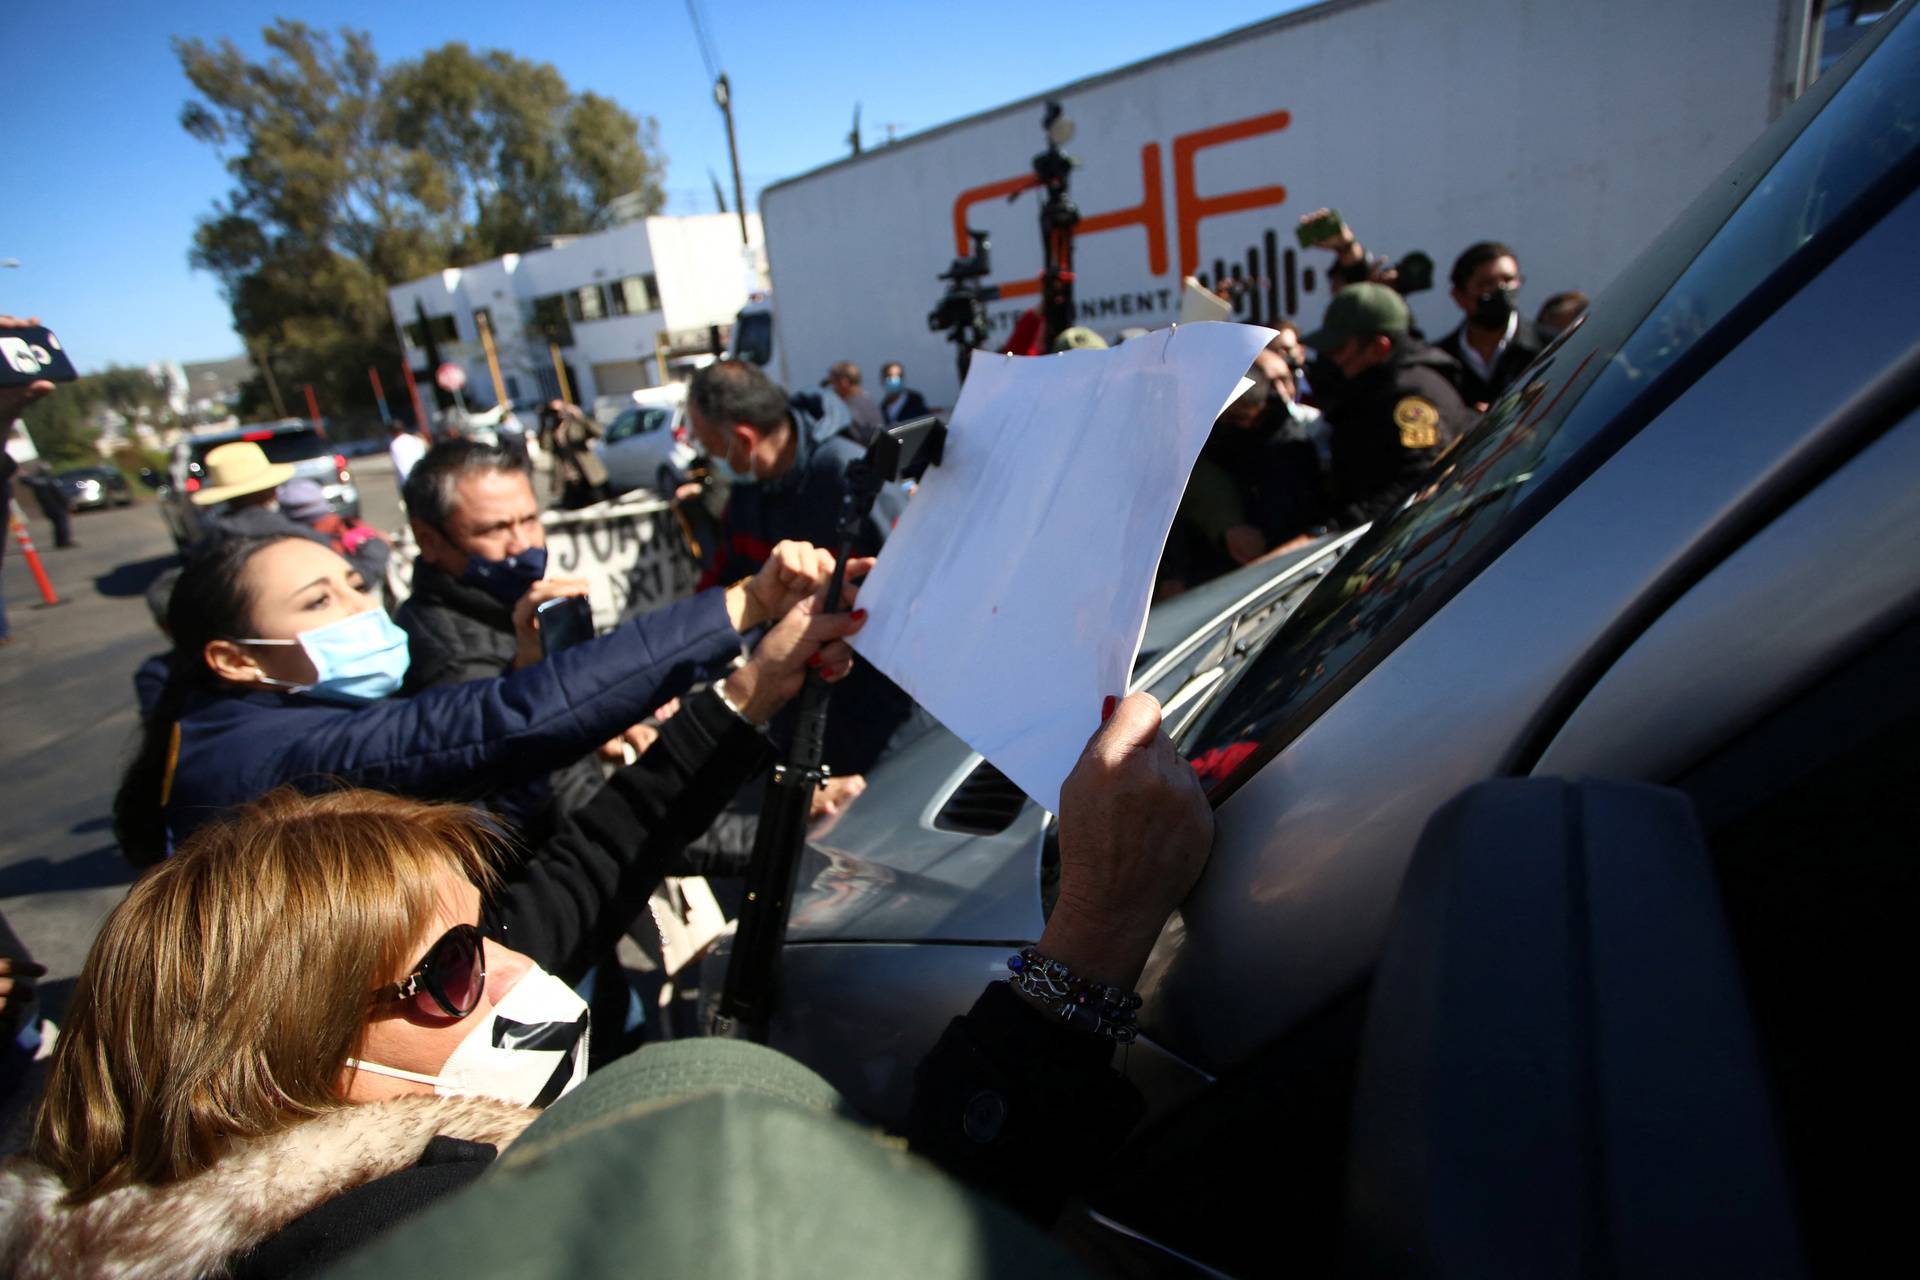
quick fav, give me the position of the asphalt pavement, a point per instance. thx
(68, 719)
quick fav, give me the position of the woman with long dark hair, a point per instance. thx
(285, 670)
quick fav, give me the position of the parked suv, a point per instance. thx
(291, 440)
(1678, 551)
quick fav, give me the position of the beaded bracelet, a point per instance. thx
(1084, 1005)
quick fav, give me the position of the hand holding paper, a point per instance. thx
(1011, 597)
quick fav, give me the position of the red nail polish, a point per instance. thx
(1106, 708)
(859, 615)
(814, 661)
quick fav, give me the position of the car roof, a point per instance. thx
(252, 430)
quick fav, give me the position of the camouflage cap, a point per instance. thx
(1357, 310)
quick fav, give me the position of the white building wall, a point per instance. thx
(699, 273)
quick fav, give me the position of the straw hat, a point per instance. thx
(237, 469)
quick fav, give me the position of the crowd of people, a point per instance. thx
(388, 850)
(1342, 422)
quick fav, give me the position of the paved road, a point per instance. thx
(67, 719)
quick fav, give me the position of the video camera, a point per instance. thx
(1412, 274)
(961, 312)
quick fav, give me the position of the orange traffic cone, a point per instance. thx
(33, 557)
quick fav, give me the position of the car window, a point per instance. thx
(1605, 373)
(279, 446)
(622, 425)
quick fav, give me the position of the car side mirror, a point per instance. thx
(1558, 1064)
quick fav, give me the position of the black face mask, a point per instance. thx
(1492, 309)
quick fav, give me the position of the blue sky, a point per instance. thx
(101, 202)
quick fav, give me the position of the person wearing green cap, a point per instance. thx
(1397, 411)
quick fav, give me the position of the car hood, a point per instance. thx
(941, 847)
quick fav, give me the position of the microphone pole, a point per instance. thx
(748, 999)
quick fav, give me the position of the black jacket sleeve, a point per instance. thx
(582, 888)
(1413, 468)
(1019, 1106)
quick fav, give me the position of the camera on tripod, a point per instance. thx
(960, 306)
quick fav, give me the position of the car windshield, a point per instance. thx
(279, 446)
(1866, 140)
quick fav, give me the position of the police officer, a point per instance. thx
(1397, 411)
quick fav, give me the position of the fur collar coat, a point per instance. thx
(198, 1226)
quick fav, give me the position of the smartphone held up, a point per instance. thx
(31, 353)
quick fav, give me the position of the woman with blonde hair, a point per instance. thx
(312, 954)
(319, 951)
(326, 1012)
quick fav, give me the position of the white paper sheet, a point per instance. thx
(1011, 597)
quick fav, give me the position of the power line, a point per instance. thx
(707, 55)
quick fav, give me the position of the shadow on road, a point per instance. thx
(91, 825)
(95, 870)
(134, 579)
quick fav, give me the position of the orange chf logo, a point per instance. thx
(1190, 208)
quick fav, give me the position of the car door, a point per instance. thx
(621, 451)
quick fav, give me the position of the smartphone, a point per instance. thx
(32, 354)
(564, 623)
(1313, 231)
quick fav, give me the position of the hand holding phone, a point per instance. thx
(1322, 229)
(30, 353)
(564, 622)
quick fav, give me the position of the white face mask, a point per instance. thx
(529, 1051)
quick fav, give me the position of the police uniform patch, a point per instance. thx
(1419, 423)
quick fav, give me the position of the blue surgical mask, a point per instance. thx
(362, 658)
(509, 579)
(893, 385)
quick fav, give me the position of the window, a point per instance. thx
(439, 328)
(279, 446)
(1658, 329)
(633, 295)
(638, 422)
(586, 303)
(550, 321)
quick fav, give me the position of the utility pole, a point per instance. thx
(723, 97)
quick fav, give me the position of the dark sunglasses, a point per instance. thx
(450, 978)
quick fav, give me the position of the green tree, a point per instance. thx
(350, 177)
(61, 426)
(64, 425)
(516, 155)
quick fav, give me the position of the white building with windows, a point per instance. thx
(616, 306)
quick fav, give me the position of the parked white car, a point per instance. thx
(648, 445)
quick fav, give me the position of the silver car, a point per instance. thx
(289, 440)
(1679, 550)
(646, 446)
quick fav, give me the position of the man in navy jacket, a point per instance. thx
(790, 483)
